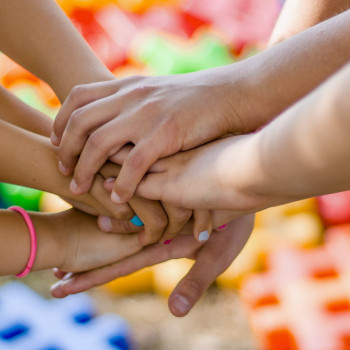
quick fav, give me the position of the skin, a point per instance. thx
(62, 59)
(98, 120)
(80, 243)
(298, 15)
(193, 285)
(309, 143)
(189, 290)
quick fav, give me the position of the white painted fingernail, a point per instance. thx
(115, 198)
(105, 223)
(203, 236)
(73, 186)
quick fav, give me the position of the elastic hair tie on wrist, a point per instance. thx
(33, 240)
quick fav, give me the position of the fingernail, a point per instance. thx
(203, 236)
(115, 198)
(61, 283)
(105, 223)
(110, 180)
(136, 221)
(54, 139)
(222, 227)
(180, 304)
(168, 241)
(62, 168)
(73, 186)
(67, 276)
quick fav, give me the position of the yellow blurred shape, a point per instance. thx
(138, 282)
(168, 274)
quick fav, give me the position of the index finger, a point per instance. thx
(79, 96)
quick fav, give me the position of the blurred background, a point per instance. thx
(288, 289)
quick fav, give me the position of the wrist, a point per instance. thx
(51, 241)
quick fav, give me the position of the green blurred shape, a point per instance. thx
(164, 56)
(27, 198)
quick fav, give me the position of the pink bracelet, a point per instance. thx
(33, 241)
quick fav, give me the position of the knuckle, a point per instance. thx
(77, 93)
(96, 139)
(142, 90)
(76, 118)
(136, 159)
(194, 285)
(123, 212)
(181, 216)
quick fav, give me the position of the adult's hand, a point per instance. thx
(159, 115)
(211, 259)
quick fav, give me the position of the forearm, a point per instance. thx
(39, 36)
(305, 151)
(270, 82)
(14, 111)
(30, 161)
(298, 15)
(15, 247)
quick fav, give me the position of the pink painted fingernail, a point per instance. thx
(168, 241)
(222, 227)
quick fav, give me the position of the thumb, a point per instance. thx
(191, 287)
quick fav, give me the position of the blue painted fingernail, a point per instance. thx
(136, 221)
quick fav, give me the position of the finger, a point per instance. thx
(59, 273)
(154, 218)
(222, 248)
(148, 256)
(110, 169)
(202, 224)
(79, 96)
(82, 122)
(101, 144)
(177, 218)
(136, 164)
(119, 211)
(108, 224)
(120, 156)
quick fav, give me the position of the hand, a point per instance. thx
(159, 115)
(212, 259)
(162, 220)
(214, 176)
(84, 246)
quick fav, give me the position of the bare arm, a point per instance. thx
(16, 112)
(39, 36)
(298, 15)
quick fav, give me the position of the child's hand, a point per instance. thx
(162, 221)
(211, 260)
(85, 246)
(159, 115)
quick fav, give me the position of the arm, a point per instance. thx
(298, 15)
(303, 153)
(16, 112)
(69, 240)
(40, 37)
(235, 99)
